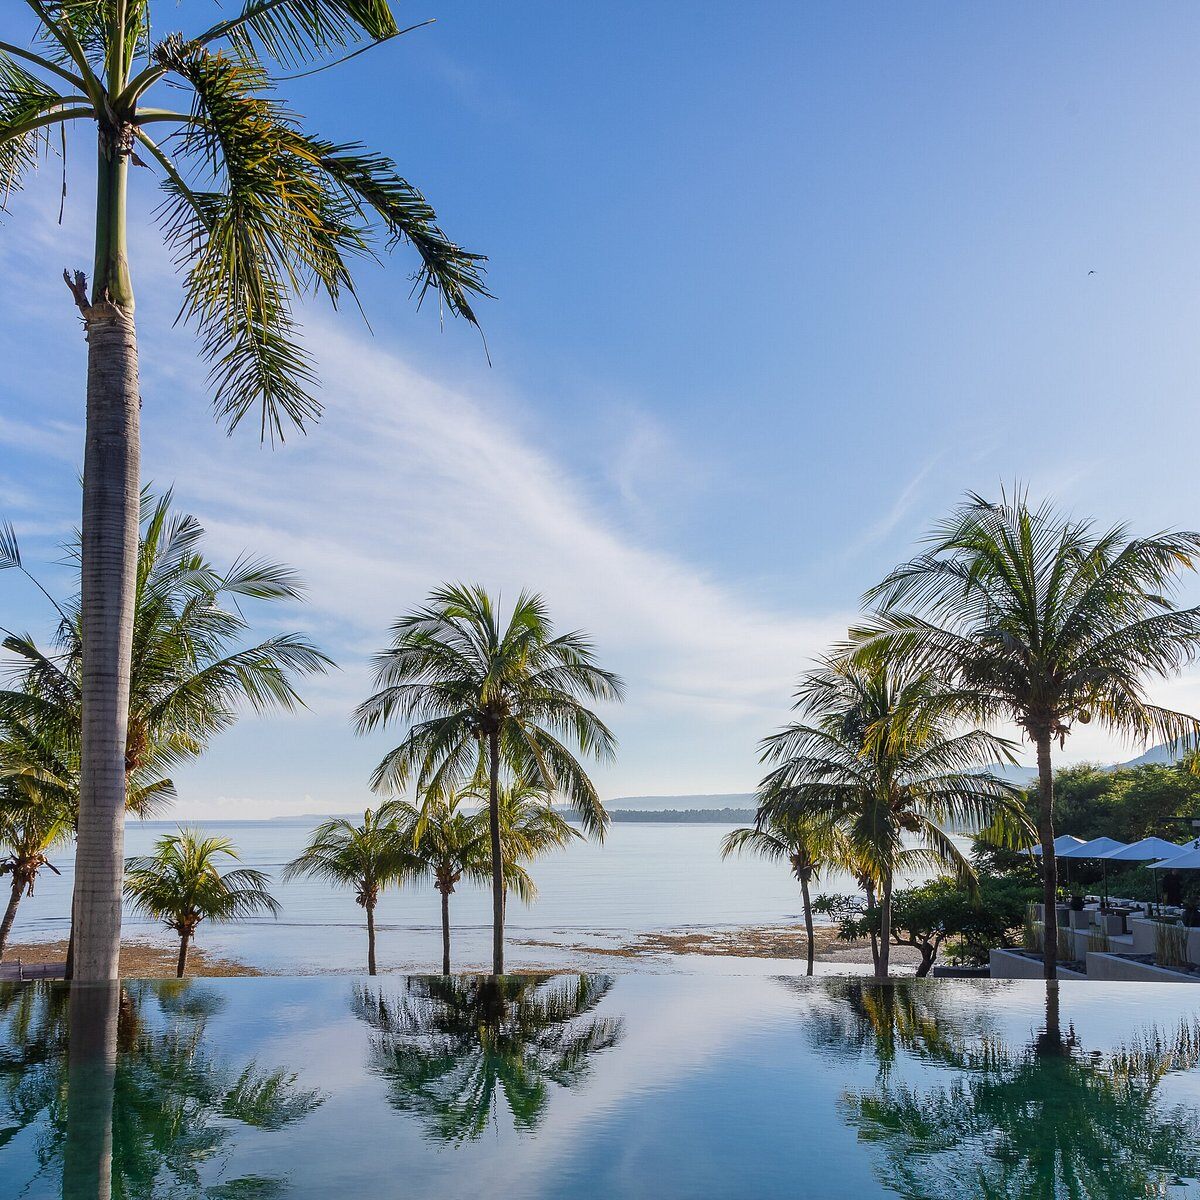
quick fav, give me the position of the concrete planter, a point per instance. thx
(1008, 964)
(1114, 967)
(1145, 939)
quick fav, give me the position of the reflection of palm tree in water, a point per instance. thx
(451, 1046)
(1041, 1122)
(145, 1103)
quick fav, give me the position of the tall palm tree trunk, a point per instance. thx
(445, 932)
(371, 939)
(10, 913)
(1049, 865)
(109, 547)
(91, 1081)
(497, 860)
(181, 965)
(882, 963)
(808, 921)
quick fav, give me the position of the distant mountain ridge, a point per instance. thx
(1162, 755)
(740, 805)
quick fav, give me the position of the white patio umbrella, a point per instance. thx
(1189, 860)
(1097, 848)
(1149, 849)
(1062, 843)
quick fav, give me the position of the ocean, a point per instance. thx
(593, 898)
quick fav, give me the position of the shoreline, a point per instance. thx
(760, 944)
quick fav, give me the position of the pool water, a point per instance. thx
(597, 1086)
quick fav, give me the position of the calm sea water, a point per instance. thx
(644, 877)
(677, 1087)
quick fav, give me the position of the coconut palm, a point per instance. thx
(368, 857)
(874, 758)
(28, 833)
(530, 827)
(446, 844)
(257, 211)
(480, 694)
(181, 885)
(1040, 619)
(806, 844)
(192, 671)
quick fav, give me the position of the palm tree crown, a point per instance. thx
(877, 759)
(181, 885)
(191, 670)
(256, 209)
(1040, 619)
(478, 691)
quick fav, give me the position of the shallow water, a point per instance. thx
(673, 1086)
(644, 877)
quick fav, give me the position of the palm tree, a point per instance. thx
(1039, 619)
(191, 672)
(877, 761)
(256, 211)
(29, 832)
(807, 845)
(530, 827)
(445, 844)
(368, 857)
(480, 693)
(180, 885)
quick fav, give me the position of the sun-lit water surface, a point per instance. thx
(574, 1086)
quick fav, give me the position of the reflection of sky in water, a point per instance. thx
(715, 1086)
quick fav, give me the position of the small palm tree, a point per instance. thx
(875, 760)
(28, 832)
(807, 845)
(181, 885)
(530, 827)
(256, 210)
(1037, 618)
(368, 857)
(446, 845)
(480, 693)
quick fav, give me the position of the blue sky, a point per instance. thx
(775, 285)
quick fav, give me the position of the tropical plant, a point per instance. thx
(874, 758)
(480, 693)
(257, 211)
(445, 844)
(940, 913)
(192, 670)
(368, 857)
(450, 1048)
(530, 827)
(1037, 618)
(806, 844)
(28, 832)
(181, 885)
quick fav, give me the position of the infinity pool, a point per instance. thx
(590, 1086)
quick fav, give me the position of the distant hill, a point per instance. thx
(738, 800)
